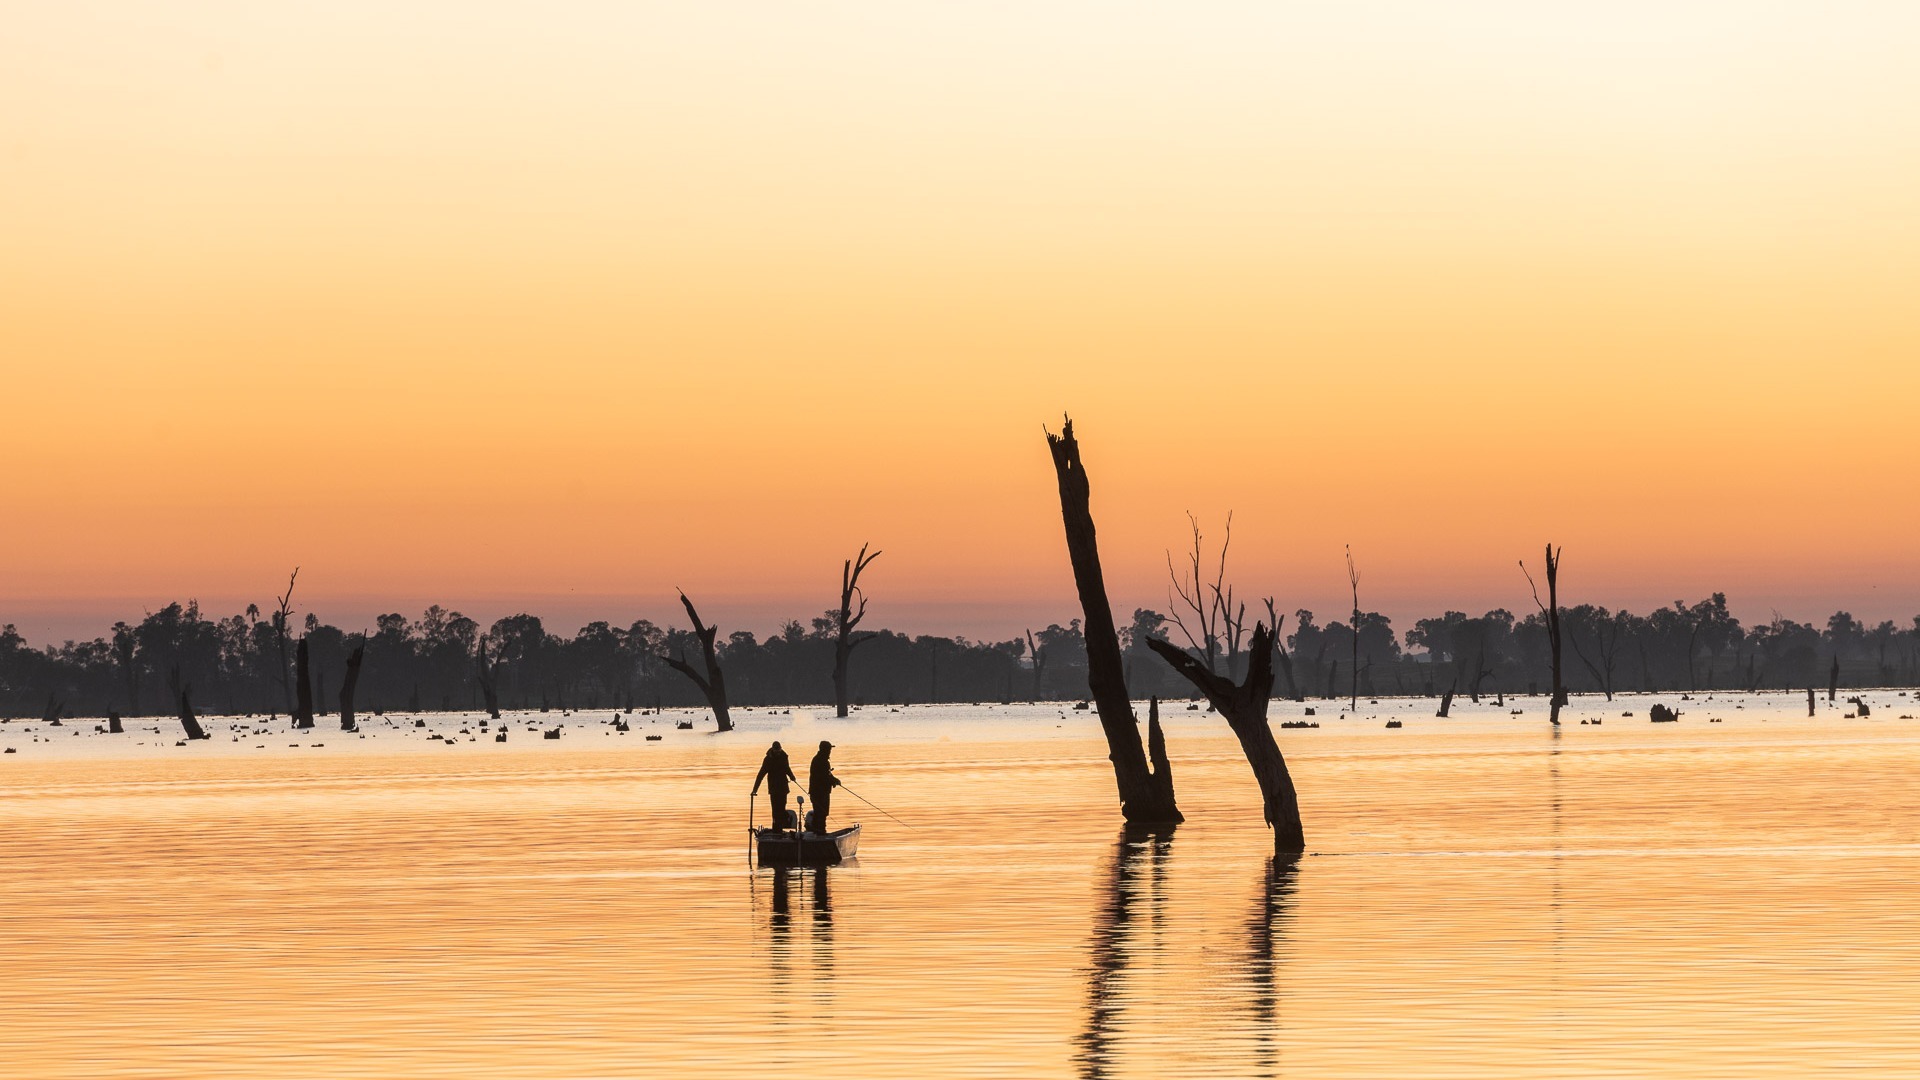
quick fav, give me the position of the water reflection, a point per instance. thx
(783, 952)
(1139, 940)
(1113, 947)
(1265, 932)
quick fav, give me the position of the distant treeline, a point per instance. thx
(243, 663)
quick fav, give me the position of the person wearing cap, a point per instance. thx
(820, 785)
(776, 771)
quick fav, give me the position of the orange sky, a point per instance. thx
(560, 306)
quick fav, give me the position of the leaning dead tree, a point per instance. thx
(1551, 609)
(714, 684)
(1244, 705)
(184, 692)
(1146, 789)
(303, 679)
(348, 685)
(845, 639)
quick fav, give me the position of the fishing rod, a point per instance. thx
(869, 802)
(751, 835)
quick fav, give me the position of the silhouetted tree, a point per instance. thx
(303, 703)
(714, 684)
(1146, 789)
(845, 619)
(1551, 609)
(347, 686)
(280, 616)
(1244, 706)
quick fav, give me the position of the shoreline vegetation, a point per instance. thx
(435, 663)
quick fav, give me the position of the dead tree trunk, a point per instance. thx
(1446, 699)
(845, 640)
(1833, 680)
(1551, 609)
(714, 683)
(113, 724)
(1809, 701)
(1146, 792)
(303, 681)
(187, 722)
(484, 673)
(1040, 666)
(1353, 579)
(51, 714)
(1245, 708)
(347, 686)
(281, 615)
(1274, 619)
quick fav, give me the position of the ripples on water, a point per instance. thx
(1485, 899)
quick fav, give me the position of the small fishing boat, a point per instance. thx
(784, 847)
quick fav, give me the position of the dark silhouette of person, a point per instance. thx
(776, 771)
(820, 785)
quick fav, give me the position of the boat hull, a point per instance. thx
(779, 847)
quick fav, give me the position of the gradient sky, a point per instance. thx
(558, 306)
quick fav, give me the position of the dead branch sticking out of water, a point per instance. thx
(1245, 708)
(1551, 609)
(1146, 793)
(714, 684)
(848, 617)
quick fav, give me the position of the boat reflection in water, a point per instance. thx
(1137, 939)
(784, 954)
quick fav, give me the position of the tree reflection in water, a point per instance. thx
(1136, 896)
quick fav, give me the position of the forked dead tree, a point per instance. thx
(714, 684)
(347, 686)
(1551, 609)
(845, 639)
(1275, 620)
(1146, 789)
(1208, 603)
(1039, 665)
(280, 616)
(1244, 705)
(303, 680)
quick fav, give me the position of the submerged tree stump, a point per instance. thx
(1244, 705)
(1146, 789)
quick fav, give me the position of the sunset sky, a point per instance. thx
(559, 306)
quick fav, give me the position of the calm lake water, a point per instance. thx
(1485, 898)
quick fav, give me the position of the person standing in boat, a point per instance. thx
(776, 771)
(820, 785)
